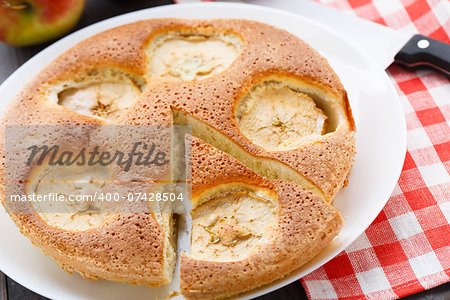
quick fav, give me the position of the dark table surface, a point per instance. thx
(96, 10)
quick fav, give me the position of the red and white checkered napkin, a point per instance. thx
(407, 247)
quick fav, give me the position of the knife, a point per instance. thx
(385, 45)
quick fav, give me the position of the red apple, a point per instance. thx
(29, 22)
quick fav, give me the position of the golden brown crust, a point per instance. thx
(211, 167)
(103, 252)
(265, 51)
(305, 224)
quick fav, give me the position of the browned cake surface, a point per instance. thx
(222, 77)
(304, 224)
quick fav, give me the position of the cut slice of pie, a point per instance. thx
(248, 231)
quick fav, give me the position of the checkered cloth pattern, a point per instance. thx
(407, 248)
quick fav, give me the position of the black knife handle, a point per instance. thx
(424, 51)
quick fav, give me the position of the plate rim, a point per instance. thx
(75, 36)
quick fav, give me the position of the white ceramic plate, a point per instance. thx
(380, 139)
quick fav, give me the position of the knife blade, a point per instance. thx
(385, 45)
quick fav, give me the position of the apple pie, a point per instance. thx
(272, 144)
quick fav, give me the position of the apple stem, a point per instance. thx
(15, 6)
